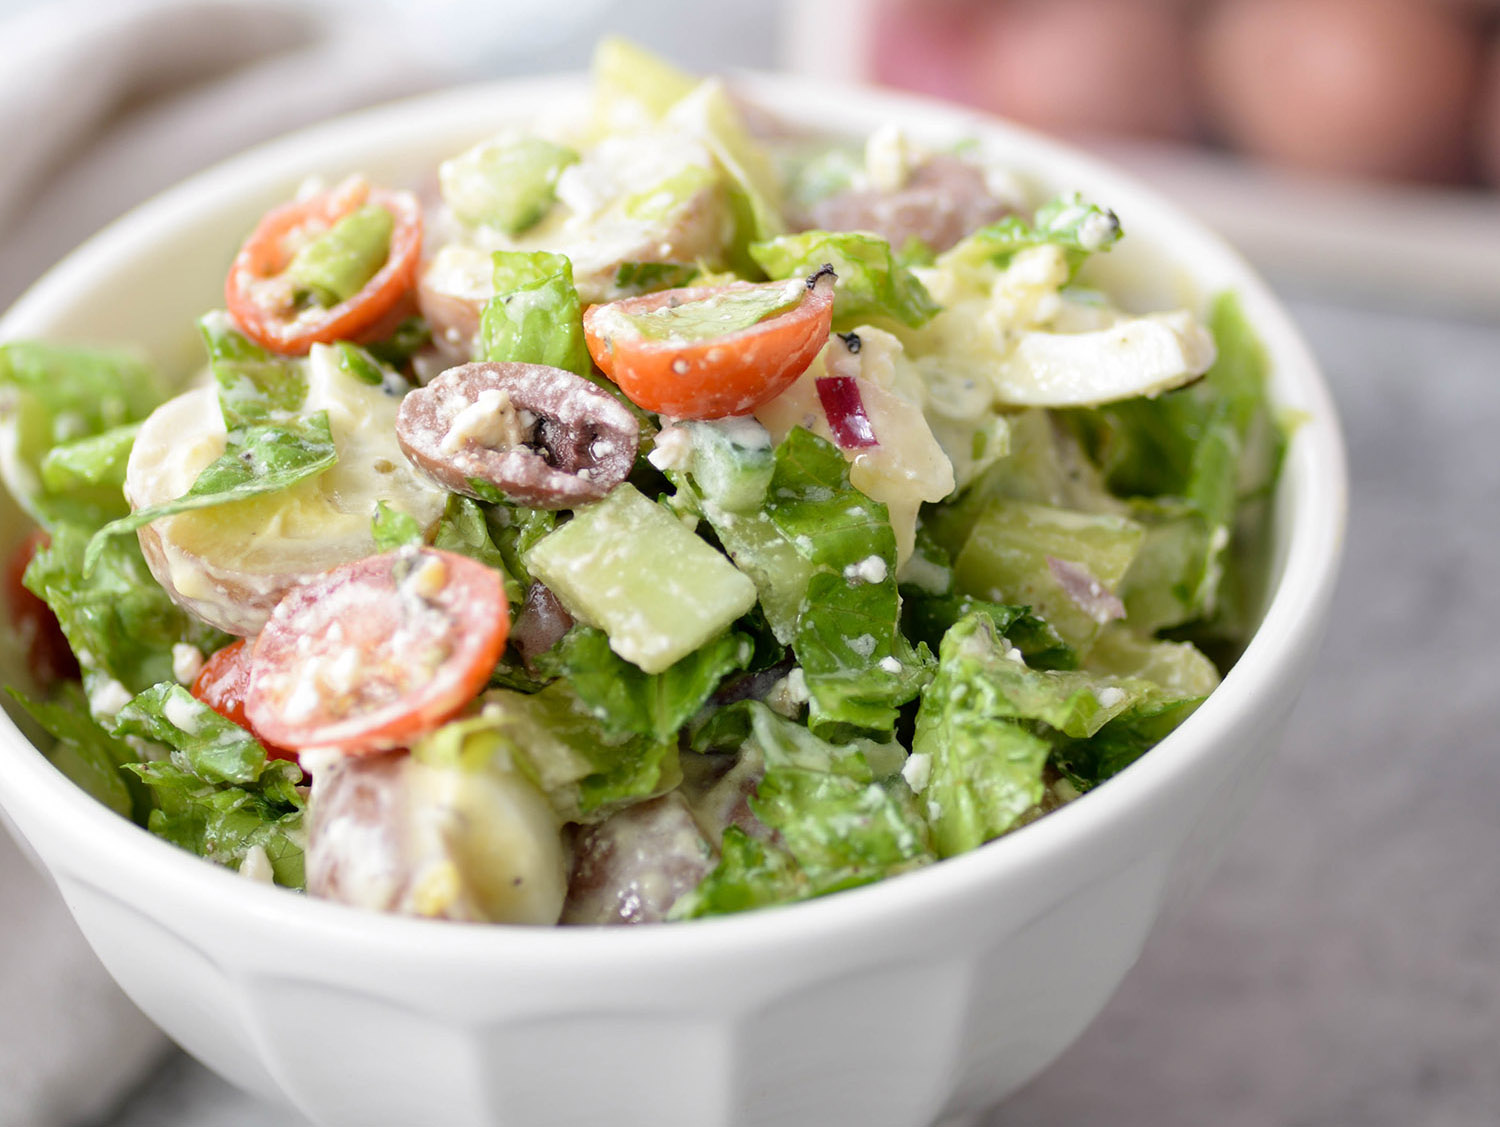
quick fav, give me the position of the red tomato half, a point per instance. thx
(262, 308)
(47, 651)
(372, 654)
(715, 377)
(223, 685)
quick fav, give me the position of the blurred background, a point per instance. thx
(1340, 967)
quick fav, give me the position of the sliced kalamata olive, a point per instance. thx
(944, 199)
(540, 436)
(633, 866)
(541, 624)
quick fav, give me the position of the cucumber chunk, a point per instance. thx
(632, 569)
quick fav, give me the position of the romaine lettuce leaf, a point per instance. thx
(553, 739)
(1070, 222)
(873, 286)
(218, 795)
(627, 702)
(984, 765)
(119, 622)
(535, 316)
(88, 754)
(841, 814)
(85, 463)
(858, 665)
(1194, 455)
(52, 396)
(223, 823)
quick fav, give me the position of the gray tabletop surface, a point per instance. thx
(1343, 967)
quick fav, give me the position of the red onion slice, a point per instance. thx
(1088, 594)
(846, 412)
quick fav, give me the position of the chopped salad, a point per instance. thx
(656, 520)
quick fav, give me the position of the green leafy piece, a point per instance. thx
(841, 813)
(1066, 565)
(508, 183)
(258, 458)
(750, 874)
(985, 766)
(223, 823)
(514, 530)
(84, 463)
(927, 618)
(409, 337)
(217, 795)
(214, 749)
(394, 529)
(1078, 227)
(1087, 762)
(708, 114)
(254, 385)
(1193, 456)
(117, 619)
(553, 739)
(88, 754)
(535, 316)
(859, 666)
(626, 701)
(55, 395)
(631, 81)
(873, 285)
(337, 264)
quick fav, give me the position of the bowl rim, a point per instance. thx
(1313, 493)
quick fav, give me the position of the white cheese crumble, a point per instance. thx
(864, 645)
(257, 865)
(1110, 695)
(673, 449)
(890, 665)
(490, 421)
(917, 771)
(187, 663)
(181, 714)
(888, 159)
(106, 699)
(871, 569)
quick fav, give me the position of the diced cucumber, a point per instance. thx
(336, 265)
(1006, 560)
(506, 184)
(732, 463)
(629, 567)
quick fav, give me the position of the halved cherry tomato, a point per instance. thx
(260, 300)
(47, 651)
(718, 376)
(374, 653)
(223, 684)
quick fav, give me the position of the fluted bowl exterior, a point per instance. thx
(928, 997)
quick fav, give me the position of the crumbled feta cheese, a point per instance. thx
(491, 421)
(888, 159)
(871, 569)
(673, 449)
(107, 698)
(890, 665)
(181, 714)
(187, 663)
(257, 865)
(917, 771)
(864, 645)
(1110, 695)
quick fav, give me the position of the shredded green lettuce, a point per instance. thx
(218, 795)
(873, 284)
(535, 316)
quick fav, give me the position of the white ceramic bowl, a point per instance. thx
(928, 997)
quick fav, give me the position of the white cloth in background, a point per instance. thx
(100, 107)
